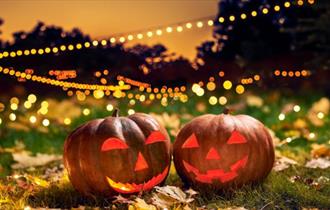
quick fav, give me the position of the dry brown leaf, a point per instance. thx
(174, 192)
(24, 159)
(140, 204)
(168, 196)
(282, 163)
(162, 201)
(322, 163)
(300, 124)
(120, 199)
(191, 192)
(323, 105)
(320, 150)
(253, 100)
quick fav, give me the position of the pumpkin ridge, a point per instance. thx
(251, 150)
(69, 157)
(88, 166)
(88, 158)
(246, 160)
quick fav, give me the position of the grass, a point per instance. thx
(276, 192)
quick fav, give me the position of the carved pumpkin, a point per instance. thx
(118, 155)
(222, 151)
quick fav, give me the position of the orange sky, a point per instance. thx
(101, 19)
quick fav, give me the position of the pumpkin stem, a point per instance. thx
(226, 110)
(115, 113)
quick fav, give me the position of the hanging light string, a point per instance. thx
(119, 38)
(59, 83)
(151, 32)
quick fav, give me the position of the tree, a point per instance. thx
(1, 23)
(252, 38)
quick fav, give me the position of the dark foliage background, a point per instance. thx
(292, 39)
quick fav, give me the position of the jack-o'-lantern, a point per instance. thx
(223, 151)
(118, 155)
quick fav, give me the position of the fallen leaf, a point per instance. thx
(140, 204)
(191, 192)
(174, 192)
(323, 180)
(120, 199)
(252, 100)
(282, 163)
(168, 196)
(300, 124)
(320, 150)
(323, 105)
(24, 159)
(38, 181)
(322, 163)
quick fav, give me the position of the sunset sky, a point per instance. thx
(101, 19)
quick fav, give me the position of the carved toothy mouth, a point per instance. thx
(217, 174)
(132, 188)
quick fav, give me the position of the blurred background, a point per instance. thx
(64, 63)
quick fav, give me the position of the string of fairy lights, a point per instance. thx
(145, 91)
(64, 84)
(125, 83)
(99, 91)
(152, 32)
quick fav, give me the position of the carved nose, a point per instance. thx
(212, 154)
(141, 163)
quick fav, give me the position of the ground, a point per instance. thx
(33, 174)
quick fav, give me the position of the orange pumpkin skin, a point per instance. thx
(117, 155)
(223, 151)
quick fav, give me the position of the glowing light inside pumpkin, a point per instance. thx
(236, 138)
(154, 137)
(212, 154)
(113, 143)
(217, 174)
(191, 142)
(132, 187)
(141, 163)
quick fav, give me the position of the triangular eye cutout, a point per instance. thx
(212, 154)
(191, 142)
(141, 163)
(236, 138)
(113, 143)
(154, 137)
